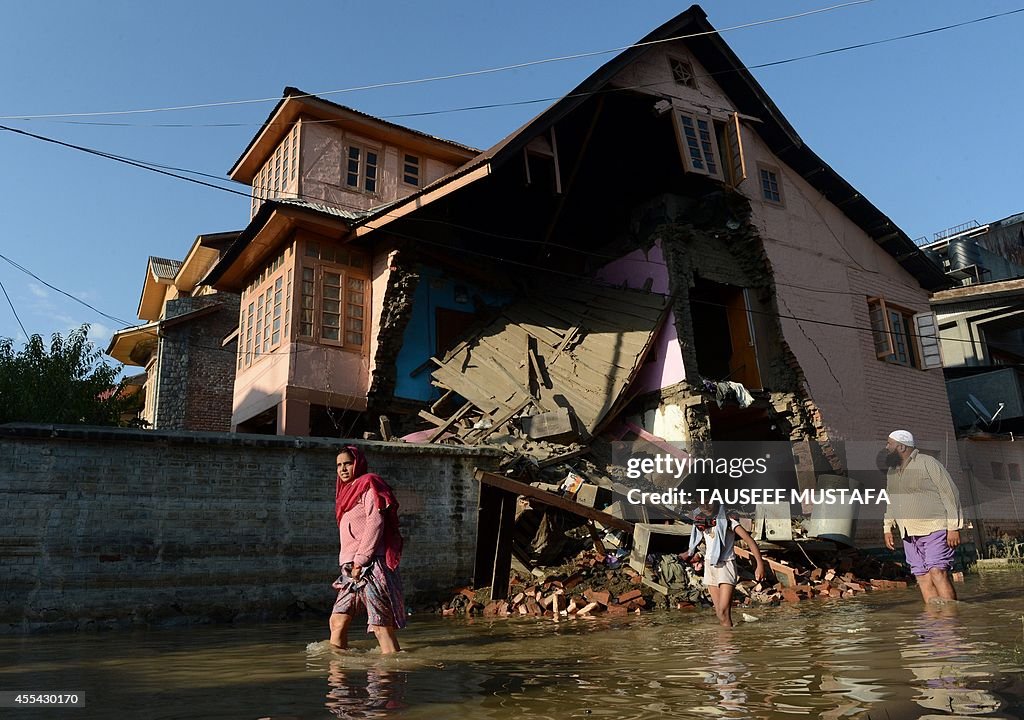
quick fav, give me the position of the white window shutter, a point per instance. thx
(927, 330)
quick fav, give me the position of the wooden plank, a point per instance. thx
(488, 516)
(785, 574)
(431, 418)
(521, 488)
(385, 428)
(496, 365)
(500, 421)
(563, 457)
(440, 401)
(465, 386)
(449, 422)
(500, 572)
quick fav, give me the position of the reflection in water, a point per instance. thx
(944, 664)
(877, 656)
(725, 674)
(370, 693)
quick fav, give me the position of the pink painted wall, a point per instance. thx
(634, 270)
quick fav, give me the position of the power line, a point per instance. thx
(22, 325)
(514, 103)
(126, 161)
(62, 292)
(146, 166)
(436, 78)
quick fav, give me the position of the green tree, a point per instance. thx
(67, 383)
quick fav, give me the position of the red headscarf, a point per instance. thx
(346, 496)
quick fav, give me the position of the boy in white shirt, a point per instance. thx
(718, 531)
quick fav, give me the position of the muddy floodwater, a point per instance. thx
(879, 656)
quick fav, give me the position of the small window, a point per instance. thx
(771, 183)
(1014, 469)
(411, 170)
(361, 166)
(903, 337)
(682, 72)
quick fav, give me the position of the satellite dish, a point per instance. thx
(981, 412)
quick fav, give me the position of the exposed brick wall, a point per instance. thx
(397, 309)
(113, 527)
(195, 375)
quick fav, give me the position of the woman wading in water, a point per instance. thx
(371, 548)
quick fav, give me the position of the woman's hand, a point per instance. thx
(356, 571)
(759, 571)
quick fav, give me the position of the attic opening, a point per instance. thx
(723, 333)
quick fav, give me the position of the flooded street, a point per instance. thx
(880, 656)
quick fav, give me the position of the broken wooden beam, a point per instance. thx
(521, 488)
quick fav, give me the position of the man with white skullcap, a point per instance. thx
(925, 504)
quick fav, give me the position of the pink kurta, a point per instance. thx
(361, 531)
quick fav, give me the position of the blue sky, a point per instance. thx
(926, 128)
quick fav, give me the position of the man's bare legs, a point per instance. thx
(936, 585)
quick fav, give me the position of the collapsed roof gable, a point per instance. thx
(749, 99)
(585, 343)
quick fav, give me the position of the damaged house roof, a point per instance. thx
(566, 345)
(750, 99)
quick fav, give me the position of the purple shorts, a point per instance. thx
(925, 552)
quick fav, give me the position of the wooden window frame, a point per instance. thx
(919, 330)
(724, 145)
(364, 148)
(777, 172)
(419, 169)
(319, 259)
(693, 143)
(256, 319)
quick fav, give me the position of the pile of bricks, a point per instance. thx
(847, 577)
(584, 588)
(817, 583)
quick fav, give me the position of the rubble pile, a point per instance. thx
(595, 584)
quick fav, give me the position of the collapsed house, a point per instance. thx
(658, 256)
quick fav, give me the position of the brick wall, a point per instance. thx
(120, 527)
(195, 374)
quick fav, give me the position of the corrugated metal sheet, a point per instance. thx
(163, 268)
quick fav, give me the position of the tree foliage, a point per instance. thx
(67, 383)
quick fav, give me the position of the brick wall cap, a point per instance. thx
(90, 433)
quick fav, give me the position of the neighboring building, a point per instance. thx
(981, 329)
(186, 346)
(972, 253)
(308, 329)
(668, 170)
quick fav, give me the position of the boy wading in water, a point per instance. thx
(718, 532)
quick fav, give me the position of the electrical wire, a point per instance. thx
(126, 161)
(437, 78)
(62, 292)
(9, 302)
(517, 103)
